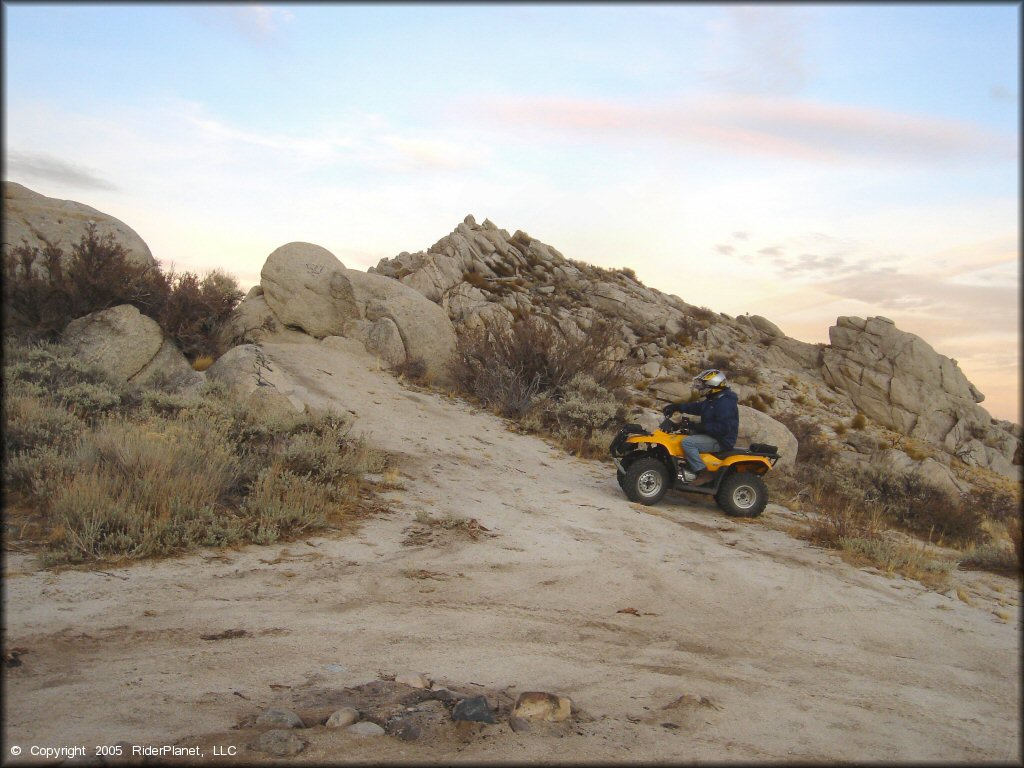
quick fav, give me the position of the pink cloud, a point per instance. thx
(786, 127)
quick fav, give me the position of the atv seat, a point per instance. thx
(757, 449)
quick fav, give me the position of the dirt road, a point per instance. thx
(780, 650)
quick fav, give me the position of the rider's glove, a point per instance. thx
(669, 409)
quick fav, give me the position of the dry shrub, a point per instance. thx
(202, 362)
(196, 310)
(720, 360)
(924, 509)
(506, 367)
(703, 315)
(907, 560)
(995, 503)
(859, 421)
(283, 504)
(413, 369)
(44, 289)
(841, 515)
(1016, 535)
(813, 448)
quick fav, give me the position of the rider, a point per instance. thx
(719, 421)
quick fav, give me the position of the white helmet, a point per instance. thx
(709, 382)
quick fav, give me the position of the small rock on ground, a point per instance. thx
(283, 718)
(343, 717)
(365, 728)
(475, 709)
(280, 743)
(413, 679)
(539, 705)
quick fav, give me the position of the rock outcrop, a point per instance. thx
(306, 293)
(34, 218)
(900, 381)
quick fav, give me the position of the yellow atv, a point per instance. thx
(650, 463)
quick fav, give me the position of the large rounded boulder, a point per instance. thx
(758, 427)
(307, 287)
(128, 346)
(35, 219)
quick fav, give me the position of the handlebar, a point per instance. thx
(685, 425)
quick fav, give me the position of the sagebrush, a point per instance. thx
(165, 472)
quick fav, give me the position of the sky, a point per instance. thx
(795, 161)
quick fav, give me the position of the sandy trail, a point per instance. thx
(796, 654)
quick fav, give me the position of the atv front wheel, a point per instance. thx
(742, 494)
(646, 481)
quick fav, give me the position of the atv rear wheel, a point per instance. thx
(646, 481)
(742, 494)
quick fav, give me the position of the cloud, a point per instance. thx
(413, 154)
(41, 166)
(259, 22)
(741, 235)
(368, 142)
(802, 129)
(756, 50)
(976, 306)
(725, 250)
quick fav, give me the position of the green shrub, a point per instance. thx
(168, 473)
(326, 453)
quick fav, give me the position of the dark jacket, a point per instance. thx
(719, 416)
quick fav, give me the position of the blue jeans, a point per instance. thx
(694, 444)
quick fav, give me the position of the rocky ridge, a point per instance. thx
(899, 383)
